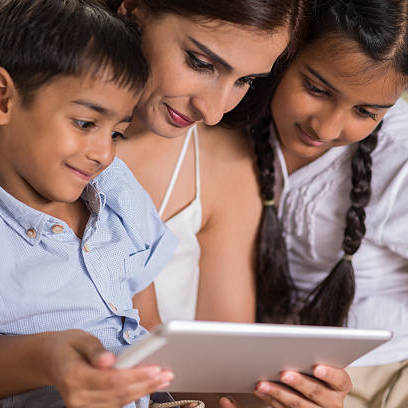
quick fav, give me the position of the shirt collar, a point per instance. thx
(30, 223)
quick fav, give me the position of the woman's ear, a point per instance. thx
(7, 96)
(128, 6)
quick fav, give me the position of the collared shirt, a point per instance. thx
(51, 280)
(313, 202)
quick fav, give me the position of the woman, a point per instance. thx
(203, 57)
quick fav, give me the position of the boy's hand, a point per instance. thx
(82, 370)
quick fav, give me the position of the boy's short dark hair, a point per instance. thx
(43, 39)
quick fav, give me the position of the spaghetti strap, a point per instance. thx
(176, 172)
(197, 163)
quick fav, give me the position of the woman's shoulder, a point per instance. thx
(222, 143)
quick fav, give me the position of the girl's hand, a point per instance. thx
(327, 391)
(82, 370)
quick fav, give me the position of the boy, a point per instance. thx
(78, 241)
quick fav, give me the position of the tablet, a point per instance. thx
(233, 357)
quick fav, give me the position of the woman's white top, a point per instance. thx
(177, 284)
(312, 207)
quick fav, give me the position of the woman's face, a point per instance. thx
(200, 70)
(330, 96)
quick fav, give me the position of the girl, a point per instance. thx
(333, 174)
(204, 56)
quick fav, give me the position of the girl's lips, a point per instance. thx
(308, 140)
(178, 119)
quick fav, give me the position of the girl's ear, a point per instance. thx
(7, 96)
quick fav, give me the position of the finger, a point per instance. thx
(272, 393)
(92, 350)
(337, 378)
(313, 389)
(114, 391)
(227, 402)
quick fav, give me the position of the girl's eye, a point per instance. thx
(84, 124)
(314, 90)
(198, 64)
(118, 136)
(366, 114)
(246, 81)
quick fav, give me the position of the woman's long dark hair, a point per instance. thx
(380, 29)
(264, 15)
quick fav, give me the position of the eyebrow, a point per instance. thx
(216, 58)
(329, 85)
(101, 110)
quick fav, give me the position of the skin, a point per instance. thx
(229, 184)
(70, 131)
(334, 101)
(196, 84)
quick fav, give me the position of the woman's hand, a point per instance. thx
(327, 390)
(82, 370)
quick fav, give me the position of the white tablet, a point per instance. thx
(233, 357)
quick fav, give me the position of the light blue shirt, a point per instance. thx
(52, 280)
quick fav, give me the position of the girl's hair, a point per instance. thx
(43, 39)
(380, 29)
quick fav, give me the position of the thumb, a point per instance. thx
(92, 350)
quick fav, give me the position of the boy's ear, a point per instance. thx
(7, 96)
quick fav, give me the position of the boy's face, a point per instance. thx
(51, 149)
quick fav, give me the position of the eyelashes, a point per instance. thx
(86, 126)
(319, 92)
(207, 68)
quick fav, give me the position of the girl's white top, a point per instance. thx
(177, 285)
(312, 205)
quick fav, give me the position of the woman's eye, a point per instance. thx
(84, 124)
(198, 64)
(118, 136)
(366, 114)
(246, 81)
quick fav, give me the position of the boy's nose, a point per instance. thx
(102, 150)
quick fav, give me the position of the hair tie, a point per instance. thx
(348, 257)
(269, 203)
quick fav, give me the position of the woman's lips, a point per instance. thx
(178, 119)
(307, 139)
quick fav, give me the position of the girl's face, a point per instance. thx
(200, 70)
(330, 96)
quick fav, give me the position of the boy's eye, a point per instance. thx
(198, 64)
(84, 124)
(366, 114)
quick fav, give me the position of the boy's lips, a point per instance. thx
(84, 175)
(178, 118)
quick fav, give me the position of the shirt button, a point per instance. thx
(31, 233)
(113, 307)
(57, 229)
(86, 248)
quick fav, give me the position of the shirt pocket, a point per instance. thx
(135, 270)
